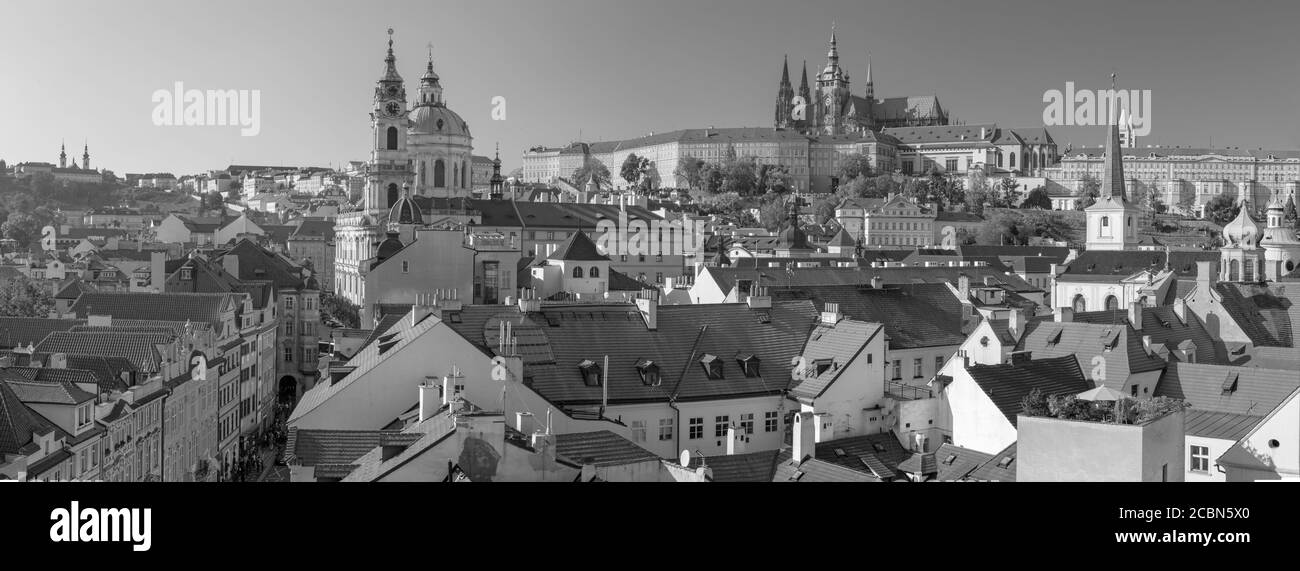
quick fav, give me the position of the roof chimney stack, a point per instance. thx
(831, 314)
(803, 443)
(1064, 315)
(1135, 314)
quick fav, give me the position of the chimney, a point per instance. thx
(803, 442)
(99, 320)
(157, 268)
(1146, 343)
(524, 422)
(825, 427)
(448, 388)
(983, 133)
(831, 313)
(877, 282)
(1015, 322)
(1180, 310)
(649, 309)
(736, 441)
(528, 301)
(963, 286)
(1205, 275)
(429, 401)
(588, 469)
(421, 309)
(230, 263)
(1135, 314)
(1064, 315)
(760, 299)
(58, 361)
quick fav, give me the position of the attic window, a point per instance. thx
(822, 365)
(552, 321)
(949, 460)
(590, 373)
(878, 446)
(1054, 337)
(764, 317)
(748, 364)
(454, 317)
(839, 452)
(1006, 462)
(187, 274)
(712, 366)
(984, 341)
(384, 347)
(1230, 383)
(386, 338)
(649, 371)
(1109, 339)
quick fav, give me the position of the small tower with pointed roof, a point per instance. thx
(1241, 259)
(497, 182)
(63, 156)
(85, 156)
(1281, 246)
(1112, 220)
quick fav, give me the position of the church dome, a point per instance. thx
(437, 120)
(405, 211)
(388, 248)
(1243, 231)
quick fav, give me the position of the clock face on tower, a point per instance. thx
(392, 108)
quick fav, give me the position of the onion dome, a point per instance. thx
(1243, 231)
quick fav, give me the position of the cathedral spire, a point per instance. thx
(834, 53)
(1112, 172)
(63, 155)
(871, 86)
(803, 85)
(85, 155)
(785, 71)
(390, 62)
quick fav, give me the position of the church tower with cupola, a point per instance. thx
(1281, 246)
(1112, 220)
(388, 169)
(1241, 259)
(440, 145)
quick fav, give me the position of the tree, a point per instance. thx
(1089, 190)
(1289, 213)
(339, 308)
(854, 165)
(1221, 209)
(978, 193)
(773, 213)
(20, 297)
(688, 168)
(631, 170)
(774, 178)
(1037, 198)
(741, 177)
(22, 228)
(711, 178)
(213, 201)
(1008, 195)
(591, 168)
(1186, 201)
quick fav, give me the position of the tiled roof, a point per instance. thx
(920, 464)
(17, 423)
(559, 337)
(258, 263)
(314, 447)
(815, 470)
(579, 248)
(877, 455)
(119, 408)
(41, 392)
(600, 448)
(206, 307)
(73, 290)
(1053, 252)
(1006, 385)
(837, 344)
(726, 278)
(139, 348)
(75, 377)
(511, 213)
(1264, 313)
(429, 433)
(1221, 425)
(1163, 326)
(750, 467)
(386, 322)
(955, 462)
(1220, 388)
(914, 315)
(1117, 343)
(1000, 468)
(1126, 263)
(1183, 152)
(15, 331)
(315, 227)
(48, 462)
(842, 240)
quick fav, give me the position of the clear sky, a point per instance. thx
(609, 69)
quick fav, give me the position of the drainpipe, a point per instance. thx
(677, 431)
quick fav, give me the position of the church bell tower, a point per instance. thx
(388, 169)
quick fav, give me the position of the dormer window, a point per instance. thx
(712, 366)
(649, 371)
(822, 365)
(590, 373)
(1230, 383)
(748, 364)
(187, 274)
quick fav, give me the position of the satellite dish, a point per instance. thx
(686, 458)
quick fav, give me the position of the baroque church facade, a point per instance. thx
(831, 108)
(419, 149)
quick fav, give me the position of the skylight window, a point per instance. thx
(1230, 383)
(949, 460)
(748, 364)
(649, 371)
(590, 373)
(712, 366)
(1005, 462)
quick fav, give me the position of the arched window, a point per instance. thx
(439, 174)
(1080, 305)
(1233, 271)
(464, 174)
(1112, 303)
(594, 272)
(392, 194)
(577, 271)
(423, 167)
(455, 175)
(1013, 160)
(392, 139)
(1290, 265)
(1248, 270)
(999, 159)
